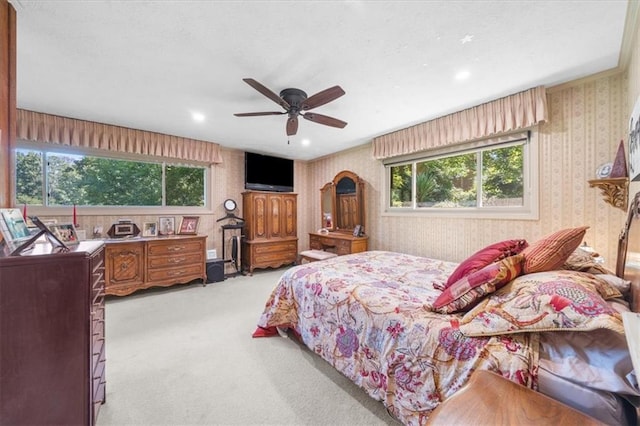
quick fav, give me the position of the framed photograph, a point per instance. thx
(150, 229)
(167, 226)
(65, 232)
(634, 143)
(189, 225)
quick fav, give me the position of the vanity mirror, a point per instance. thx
(342, 203)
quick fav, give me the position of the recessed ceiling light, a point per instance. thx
(305, 142)
(463, 75)
(197, 116)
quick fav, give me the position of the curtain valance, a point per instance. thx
(513, 112)
(41, 127)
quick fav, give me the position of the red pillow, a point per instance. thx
(469, 290)
(486, 256)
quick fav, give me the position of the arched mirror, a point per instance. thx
(342, 202)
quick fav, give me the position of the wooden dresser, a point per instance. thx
(271, 232)
(136, 264)
(52, 356)
(338, 242)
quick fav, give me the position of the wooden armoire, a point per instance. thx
(271, 231)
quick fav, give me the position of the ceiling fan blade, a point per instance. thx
(292, 126)
(324, 119)
(253, 114)
(322, 98)
(266, 92)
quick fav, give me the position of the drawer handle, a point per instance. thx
(177, 260)
(174, 273)
(175, 248)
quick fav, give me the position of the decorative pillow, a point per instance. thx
(620, 284)
(552, 251)
(469, 290)
(484, 257)
(544, 301)
(581, 260)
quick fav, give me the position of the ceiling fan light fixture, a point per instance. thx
(294, 101)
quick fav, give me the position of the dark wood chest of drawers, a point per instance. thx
(52, 355)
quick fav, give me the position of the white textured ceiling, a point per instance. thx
(150, 64)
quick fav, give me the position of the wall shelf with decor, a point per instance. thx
(615, 191)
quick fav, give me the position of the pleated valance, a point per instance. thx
(40, 127)
(513, 112)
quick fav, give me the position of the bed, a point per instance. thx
(411, 330)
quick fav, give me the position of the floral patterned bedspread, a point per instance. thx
(367, 314)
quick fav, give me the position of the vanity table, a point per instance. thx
(342, 204)
(338, 242)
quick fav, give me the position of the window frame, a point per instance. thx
(118, 211)
(528, 211)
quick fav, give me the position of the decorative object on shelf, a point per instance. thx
(613, 181)
(614, 190)
(604, 170)
(189, 225)
(634, 142)
(167, 225)
(65, 232)
(150, 229)
(123, 230)
(619, 167)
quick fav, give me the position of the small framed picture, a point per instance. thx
(167, 225)
(150, 229)
(65, 232)
(189, 225)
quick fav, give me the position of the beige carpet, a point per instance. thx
(185, 356)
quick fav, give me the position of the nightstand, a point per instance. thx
(490, 399)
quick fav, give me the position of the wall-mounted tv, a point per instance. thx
(267, 173)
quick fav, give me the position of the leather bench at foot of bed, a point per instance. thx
(490, 399)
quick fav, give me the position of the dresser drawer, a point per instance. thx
(168, 274)
(270, 248)
(175, 260)
(98, 354)
(284, 257)
(98, 378)
(163, 248)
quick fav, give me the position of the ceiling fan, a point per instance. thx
(296, 103)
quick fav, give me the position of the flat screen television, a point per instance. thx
(267, 173)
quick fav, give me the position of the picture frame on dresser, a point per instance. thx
(189, 225)
(150, 229)
(167, 225)
(65, 232)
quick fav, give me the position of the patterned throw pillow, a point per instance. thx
(484, 257)
(581, 260)
(469, 290)
(545, 301)
(551, 251)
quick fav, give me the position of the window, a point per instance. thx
(50, 178)
(477, 178)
